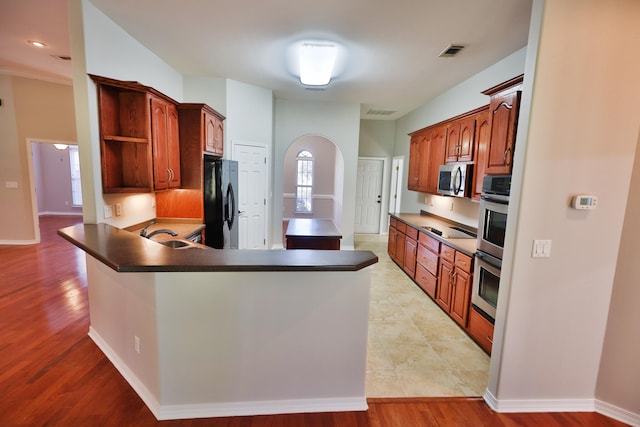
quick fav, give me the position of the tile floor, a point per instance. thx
(415, 349)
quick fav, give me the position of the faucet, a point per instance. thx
(163, 230)
(143, 233)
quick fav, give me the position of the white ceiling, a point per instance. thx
(391, 60)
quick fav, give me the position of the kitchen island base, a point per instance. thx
(213, 344)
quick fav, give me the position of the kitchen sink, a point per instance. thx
(178, 244)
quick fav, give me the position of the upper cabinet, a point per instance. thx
(166, 148)
(503, 111)
(484, 137)
(138, 137)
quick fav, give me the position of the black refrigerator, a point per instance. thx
(220, 203)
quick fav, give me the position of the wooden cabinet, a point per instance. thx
(483, 128)
(410, 251)
(427, 264)
(393, 236)
(461, 135)
(454, 284)
(481, 330)
(503, 110)
(165, 140)
(138, 137)
(415, 162)
(201, 131)
(401, 228)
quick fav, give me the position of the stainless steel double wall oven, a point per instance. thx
(492, 226)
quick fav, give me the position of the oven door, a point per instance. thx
(486, 283)
(492, 225)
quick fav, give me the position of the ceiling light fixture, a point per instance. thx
(317, 60)
(61, 146)
(36, 43)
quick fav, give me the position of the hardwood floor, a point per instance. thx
(51, 373)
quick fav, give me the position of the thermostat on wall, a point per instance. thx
(584, 201)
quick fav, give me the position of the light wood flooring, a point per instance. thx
(51, 373)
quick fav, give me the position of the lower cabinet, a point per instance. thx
(481, 330)
(442, 272)
(454, 284)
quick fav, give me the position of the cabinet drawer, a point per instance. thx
(429, 242)
(428, 259)
(393, 222)
(426, 280)
(412, 233)
(447, 253)
(401, 227)
(480, 329)
(463, 261)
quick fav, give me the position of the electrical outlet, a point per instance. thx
(11, 184)
(136, 344)
(118, 209)
(451, 206)
(108, 211)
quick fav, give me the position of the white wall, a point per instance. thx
(340, 124)
(52, 175)
(463, 97)
(579, 132)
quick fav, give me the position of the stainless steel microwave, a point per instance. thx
(452, 179)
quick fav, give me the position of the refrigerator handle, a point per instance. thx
(231, 211)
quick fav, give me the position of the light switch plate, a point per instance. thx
(108, 211)
(541, 249)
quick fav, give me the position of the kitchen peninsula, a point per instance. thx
(206, 333)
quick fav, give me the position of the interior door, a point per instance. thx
(252, 195)
(368, 196)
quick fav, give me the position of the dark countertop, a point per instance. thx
(467, 245)
(125, 251)
(312, 227)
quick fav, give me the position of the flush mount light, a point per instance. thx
(317, 60)
(61, 146)
(36, 43)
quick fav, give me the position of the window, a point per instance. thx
(304, 182)
(74, 165)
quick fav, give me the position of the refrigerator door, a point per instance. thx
(220, 207)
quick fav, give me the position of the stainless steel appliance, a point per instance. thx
(452, 179)
(492, 226)
(220, 204)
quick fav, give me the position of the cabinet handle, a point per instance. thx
(170, 173)
(504, 159)
(489, 339)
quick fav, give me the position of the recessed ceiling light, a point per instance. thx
(36, 43)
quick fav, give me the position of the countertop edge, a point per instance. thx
(124, 252)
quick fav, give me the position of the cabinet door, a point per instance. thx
(173, 146)
(504, 119)
(483, 133)
(426, 281)
(391, 244)
(413, 182)
(400, 248)
(437, 151)
(409, 263)
(460, 296)
(467, 137)
(427, 259)
(213, 134)
(445, 283)
(453, 142)
(481, 330)
(159, 136)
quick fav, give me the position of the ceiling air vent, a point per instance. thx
(379, 112)
(451, 50)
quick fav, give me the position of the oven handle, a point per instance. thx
(503, 200)
(489, 259)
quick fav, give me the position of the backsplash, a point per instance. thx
(464, 210)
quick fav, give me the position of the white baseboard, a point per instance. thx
(69, 213)
(224, 409)
(616, 413)
(562, 405)
(18, 242)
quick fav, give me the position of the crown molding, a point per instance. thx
(35, 76)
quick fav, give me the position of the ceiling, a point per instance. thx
(390, 49)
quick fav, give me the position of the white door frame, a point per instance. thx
(32, 181)
(385, 190)
(396, 180)
(267, 207)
